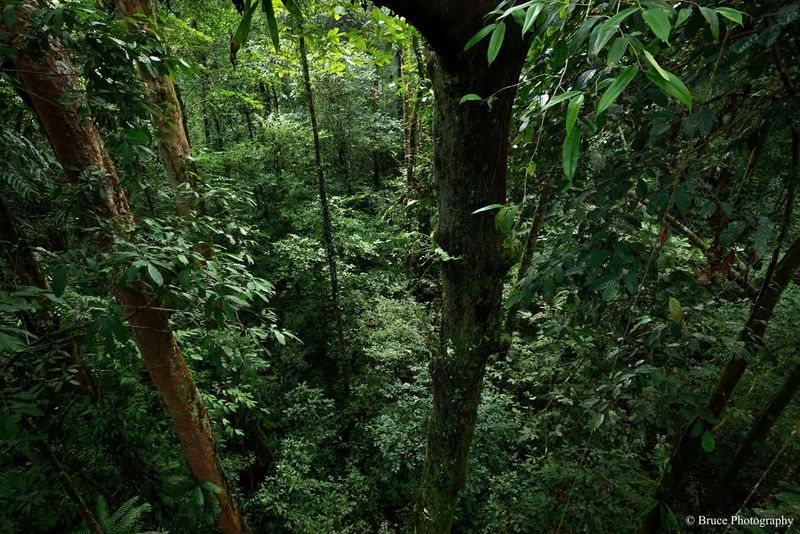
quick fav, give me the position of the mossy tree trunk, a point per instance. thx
(49, 78)
(470, 158)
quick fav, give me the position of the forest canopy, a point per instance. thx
(425, 266)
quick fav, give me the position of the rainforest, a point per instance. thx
(399, 266)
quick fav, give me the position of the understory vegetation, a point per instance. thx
(399, 266)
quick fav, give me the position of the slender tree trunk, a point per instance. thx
(173, 142)
(184, 116)
(49, 78)
(43, 447)
(327, 232)
(266, 100)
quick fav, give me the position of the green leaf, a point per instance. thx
(496, 41)
(480, 35)
(488, 208)
(675, 310)
(712, 19)
(530, 16)
(472, 97)
(683, 16)
(272, 23)
(617, 50)
(731, 14)
(242, 31)
(9, 15)
(605, 31)
(658, 20)
(673, 87)
(616, 88)
(155, 274)
(569, 153)
(708, 442)
(650, 59)
(60, 281)
(560, 98)
(573, 108)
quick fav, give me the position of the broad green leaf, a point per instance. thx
(650, 59)
(155, 274)
(616, 88)
(531, 15)
(708, 442)
(731, 14)
(480, 35)
(683, 16)
(713, 21)
(569, 153)
(658, 20)
(469, 98)
(272, 23)
(607, 29)
(9, 15)
(617, 50)
(673, 87)
(60, 281)
(573, 109)
(675, 310)
(488, 208)
(496, 41)
(560, 98)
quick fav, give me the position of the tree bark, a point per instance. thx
(470, 167)
(173, 142)
(49, 78)
(327, 232)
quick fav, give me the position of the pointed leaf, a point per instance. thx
(496, 41)
(60, 281)
(155, 274)
(616, 88)
(617, 50)
(658, 20)
(650, 59)
(713, 21)
(478, 36)
(560, 98)
(530, 16)
(569, 153)
(469, 98)
(272, 23)
(673, 87)
(573, 109)
(731, 14)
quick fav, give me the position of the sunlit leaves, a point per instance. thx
(731, 14)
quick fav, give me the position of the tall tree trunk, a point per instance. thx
(327, 232)
(49, 78)
(470, 166)
(173, 143)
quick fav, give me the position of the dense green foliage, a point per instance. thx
(657, 146)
